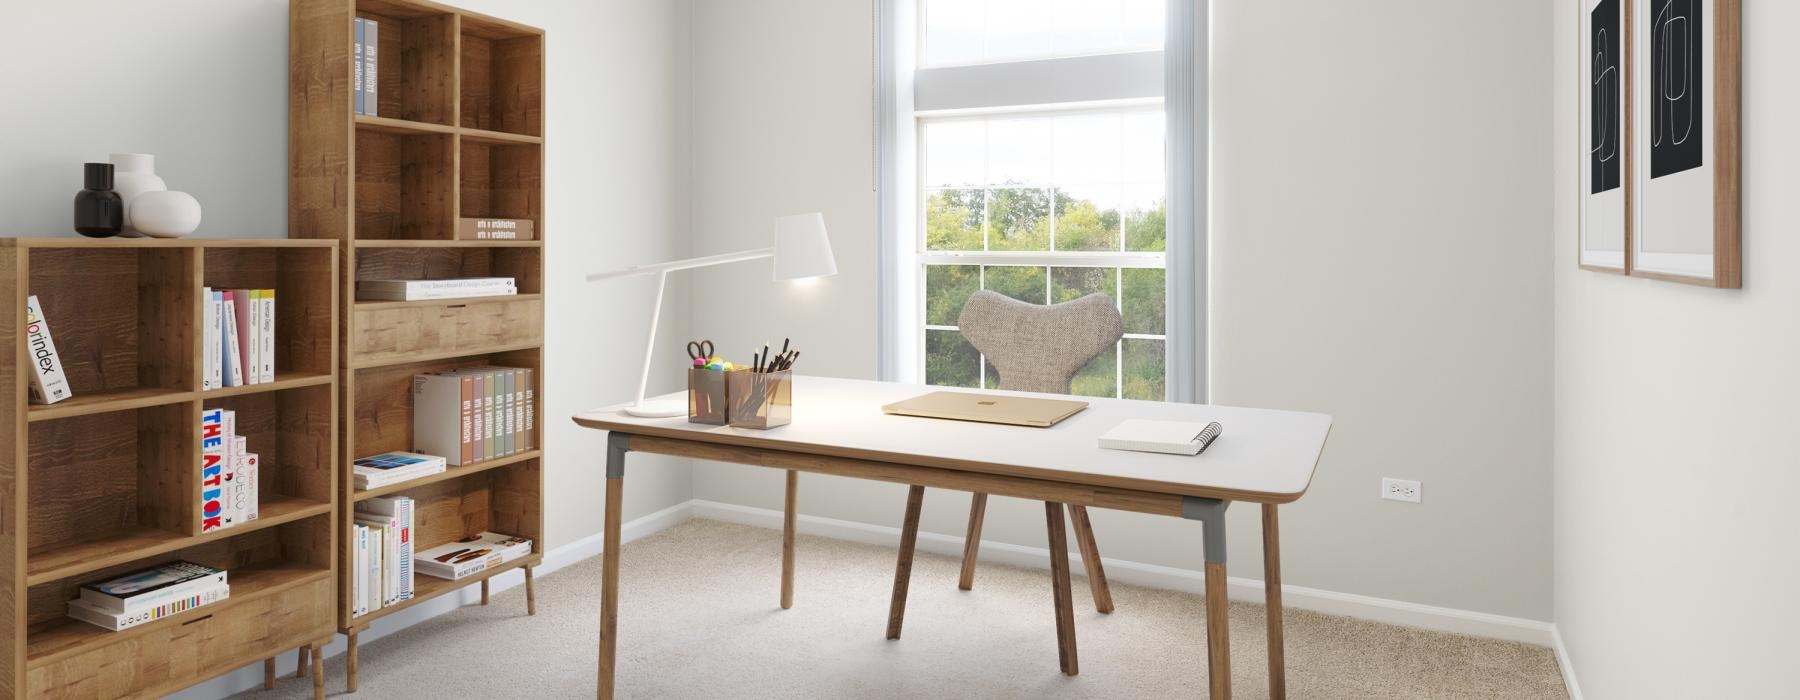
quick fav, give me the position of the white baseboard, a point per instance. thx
(1383, 610)
(1567, 665)
(250, 677)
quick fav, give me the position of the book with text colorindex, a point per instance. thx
(1166, 436)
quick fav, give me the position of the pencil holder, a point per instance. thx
(760, 400)
(707, 396)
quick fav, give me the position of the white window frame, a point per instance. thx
(905, 94)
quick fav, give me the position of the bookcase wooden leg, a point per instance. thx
(530, 594)
(300, 663)
(269, 673)
(788, 524)
(484, 592)
(318, 672)
(350, 665)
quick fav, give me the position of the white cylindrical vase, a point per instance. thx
(166, 214)
(134, 174)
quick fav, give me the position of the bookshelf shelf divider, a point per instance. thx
(460, 134)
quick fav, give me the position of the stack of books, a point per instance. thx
(472, 555)
(474, 414)
(149, 595)
(229, 472)
(394, 467)
(423, 290)
(383, 538)
(239, 331)
(48, 384)
(368, 39)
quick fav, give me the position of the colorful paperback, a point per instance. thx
(85, 612)
(156, 585)
(48, 383)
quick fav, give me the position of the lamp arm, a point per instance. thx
(687, 264)
(662, 279)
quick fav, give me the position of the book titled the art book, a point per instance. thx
(48, 383)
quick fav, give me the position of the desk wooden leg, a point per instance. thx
(972, 541)
(909, 537)
(1090, 558)
(1218, 628)
(350, 664)
(318, 672)
(789, 521)
(609, 566)
(1272, 600)
(269, 673)
(1059, 584)
(300, 663)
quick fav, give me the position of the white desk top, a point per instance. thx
(1263, 455)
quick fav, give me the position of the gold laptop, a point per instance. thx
(987, 408)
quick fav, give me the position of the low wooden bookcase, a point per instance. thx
(107, 481)
(460, 134)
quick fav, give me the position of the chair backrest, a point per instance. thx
(1040, 348)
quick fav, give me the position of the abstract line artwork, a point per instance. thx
(1677, 133)
(1606, 98)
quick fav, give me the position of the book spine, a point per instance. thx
(530, 431)
(375, 555)
(465, 283)
(212, 470)
(267, 305)
(215, 348)
(48, 383)
(234, 363)
(209, 338)
(371, 70)
(508, 381)
(480, 410)
(360, 596)
(251, 473)
(490, 229)
(243, 311)
(490, 406)
(407, 545)
(357, 97)
(467, 387)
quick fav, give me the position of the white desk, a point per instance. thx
(1264, 456)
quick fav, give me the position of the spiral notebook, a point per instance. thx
(1166, 436)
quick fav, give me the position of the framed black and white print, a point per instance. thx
(1605, 148)
(1685, 133)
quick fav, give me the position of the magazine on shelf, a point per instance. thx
(152, 587)
(48, 383)
(471, 555)
(380, 470)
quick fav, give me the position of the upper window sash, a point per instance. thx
(1052, 81)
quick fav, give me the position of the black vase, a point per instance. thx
(99, 212)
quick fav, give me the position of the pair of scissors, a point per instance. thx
(700, 351)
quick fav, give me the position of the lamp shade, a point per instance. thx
(802, 249)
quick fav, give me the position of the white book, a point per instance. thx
(86, 612)
(374, 580)
(150, 588)
(209, 332)
(359, 571)
(438, 416)
(266, 303)
(371, 70)
(251, 473)
(1165, 436)
(48, 383)
(233, 365)
(249, 327)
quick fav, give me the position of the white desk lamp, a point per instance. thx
(801, 250)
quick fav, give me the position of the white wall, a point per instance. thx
(1675, 467)
(203, 84)
(1380, 252)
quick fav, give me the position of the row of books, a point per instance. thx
(238, 328)
(149, 595)
(383, 538)
(391, 468)
(420, 290)
(229, 472)
(48, 383)
(368, 38)
(474, 414)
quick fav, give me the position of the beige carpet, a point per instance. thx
(699, 618)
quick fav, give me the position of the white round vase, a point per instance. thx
(166, 214)
(134, 174)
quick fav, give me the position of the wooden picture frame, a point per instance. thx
(1686, 138)
(1604, 136)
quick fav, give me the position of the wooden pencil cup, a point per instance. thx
(760, 400)
(707, 396)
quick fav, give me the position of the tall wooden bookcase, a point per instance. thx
(108, 480)
(460, 134)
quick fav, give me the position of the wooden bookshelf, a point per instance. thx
(107, 481)
(460, 133)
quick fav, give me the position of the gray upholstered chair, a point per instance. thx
(1034, 348)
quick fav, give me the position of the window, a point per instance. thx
(1030, 142)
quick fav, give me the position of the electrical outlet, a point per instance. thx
(1401, 490)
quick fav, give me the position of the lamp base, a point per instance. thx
(658, 409)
